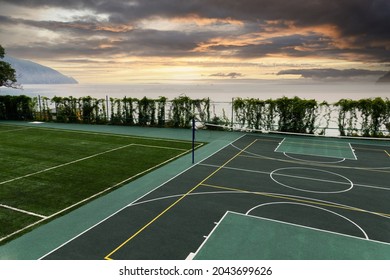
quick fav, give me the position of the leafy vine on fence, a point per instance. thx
(364, 117)
(368, 117)
(283, 114)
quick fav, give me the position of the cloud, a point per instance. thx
(352, 17)
(333, 74)
(349, 30)
(290, 45)
(231, 75)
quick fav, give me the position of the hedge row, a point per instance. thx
(365, 117)
(119, 111)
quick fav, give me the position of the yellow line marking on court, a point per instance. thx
(387, 153)
(108, 257)
(298, 200)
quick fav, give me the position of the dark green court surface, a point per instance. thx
(313, 198)
(254, 238)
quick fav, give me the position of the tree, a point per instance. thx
(7, 73)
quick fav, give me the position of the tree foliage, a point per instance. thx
(7, 73)
(15, 107)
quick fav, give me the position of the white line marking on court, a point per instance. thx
(308, 199)
(353, 151)
(199, 163)
(23, 211)
(177, 195)
(293, 176)
(313, 206)
(276, 150)
(259, 156)
(302, 177)
(313, 161)
(329, 203)
(134, 202)
(316, 229)
(211, 233)
(65, 164)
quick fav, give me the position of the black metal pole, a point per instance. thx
(193, 140)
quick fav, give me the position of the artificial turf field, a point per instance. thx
(291, 198)
(45, 172)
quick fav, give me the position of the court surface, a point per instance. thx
(314, 198)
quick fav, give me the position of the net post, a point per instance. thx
(193, 139)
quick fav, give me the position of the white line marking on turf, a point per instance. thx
(91, 197)
(64, 164)
(22, 211)
(110, 134)
(161, 147)
(15, 129)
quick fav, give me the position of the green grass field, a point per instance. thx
(46, 172)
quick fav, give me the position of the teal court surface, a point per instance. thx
(252, 197)
(316, 147)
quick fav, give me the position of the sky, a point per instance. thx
(135, 41)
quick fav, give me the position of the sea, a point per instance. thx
(216, 91)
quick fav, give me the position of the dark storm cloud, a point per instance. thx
(136, 43)
(362, 26)
(351, 16)
(289, 45)
(79, 27)
(329, 73)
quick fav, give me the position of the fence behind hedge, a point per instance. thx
(365, 117)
